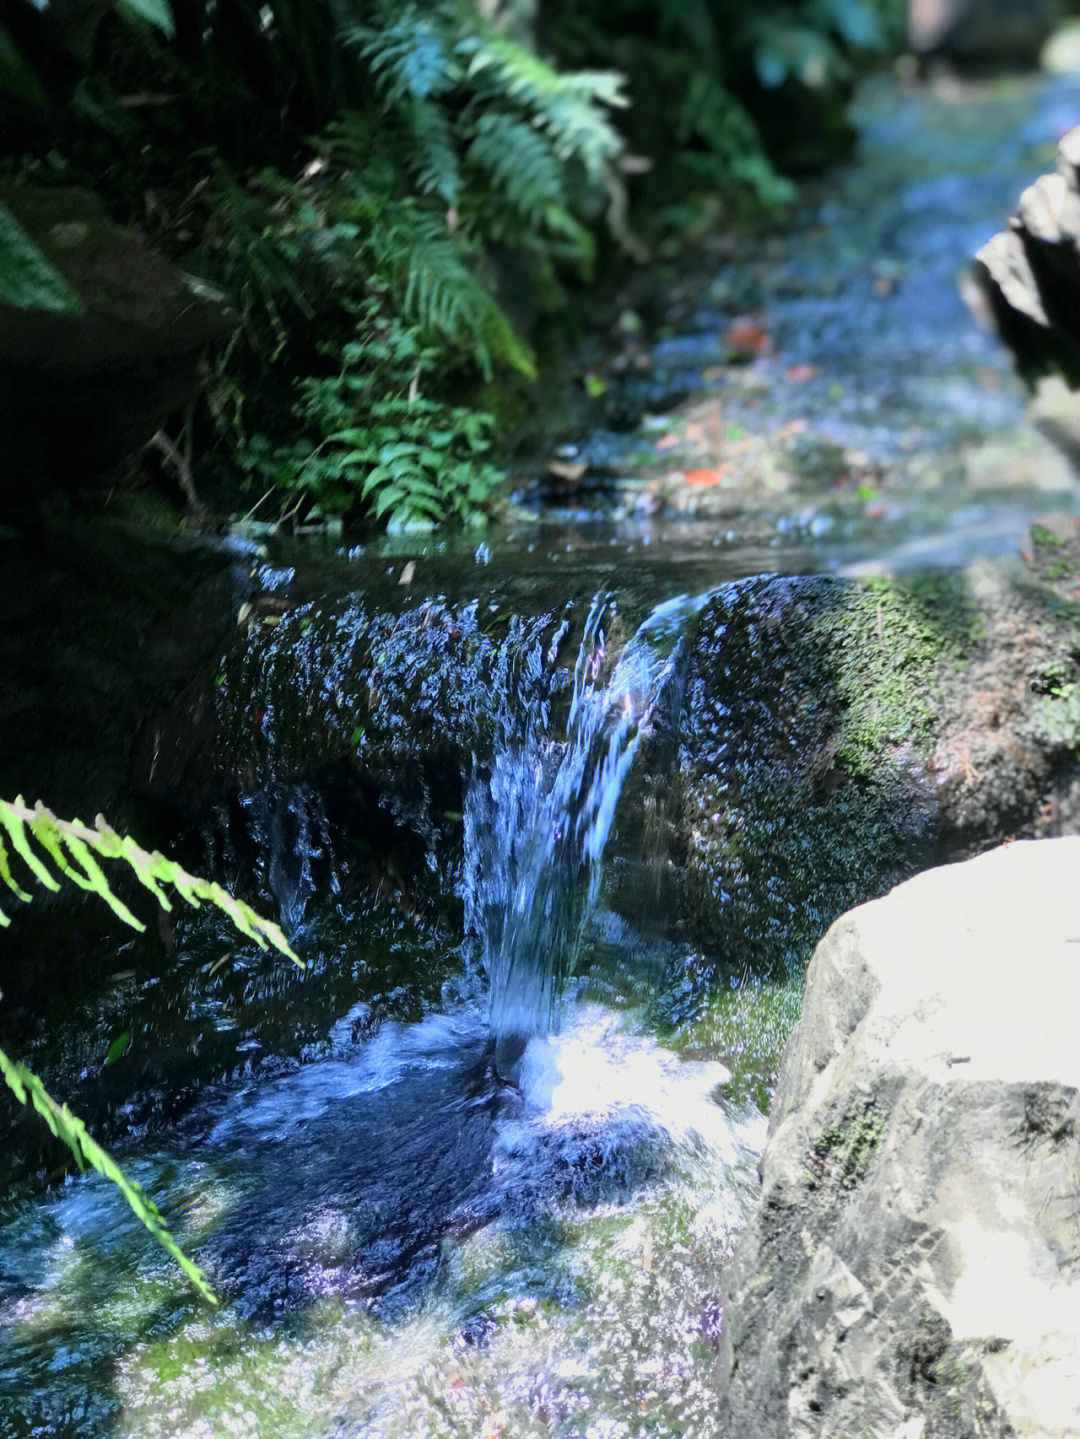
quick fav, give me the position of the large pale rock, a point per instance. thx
(913, 1268)
(1029, 274)
(981, 31)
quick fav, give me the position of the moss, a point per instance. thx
(886, 643)
(746, 1028)
(813, 706)
(842, 1154)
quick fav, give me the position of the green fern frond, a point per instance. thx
(409, 58)
(435, 288)
(520, 161)
(570, 106)
(26, 277)
(434, 159)
(69, 1128)
(72, 847)
(38, 838)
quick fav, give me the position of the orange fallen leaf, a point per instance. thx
(703, 477)
(798, 373)
(747, 339)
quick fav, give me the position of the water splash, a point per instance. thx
(536, 824)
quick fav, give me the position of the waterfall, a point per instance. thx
(537, 821)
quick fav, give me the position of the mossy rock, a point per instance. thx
(803, 783)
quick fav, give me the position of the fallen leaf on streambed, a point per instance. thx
(569, 470)
(747, 339)
(797, 374)
(702, 477)
(406, 576)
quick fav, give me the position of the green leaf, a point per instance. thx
(154, 12)
(28, 1089)
(152, 870)
(27, 280)
(118, 1048)
(386, 499)
(18, 77)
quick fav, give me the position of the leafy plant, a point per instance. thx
(49, 847)
(26, 277)
(381, 445)
(71, 846)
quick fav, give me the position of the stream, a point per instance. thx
(478, 1171)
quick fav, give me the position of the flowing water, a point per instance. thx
(537, 824)
(408, 1244)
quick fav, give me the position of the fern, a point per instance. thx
(26, 277)
(72, 846)
(69, 1128)
(570, 107)
(520, 162)
(435, 288)
(435, 159)
(48, 847)
(408, 57)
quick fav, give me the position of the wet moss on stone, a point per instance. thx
(812, 710)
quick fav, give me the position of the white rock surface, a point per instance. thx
(914, 1266)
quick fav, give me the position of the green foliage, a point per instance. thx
(69, 1128)
(703, 76)
(151, 12)
(378, 442)
(18, 77)
(26, 277)
(48, 846)
(37, 836)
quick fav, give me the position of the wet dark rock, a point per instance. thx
(80, 392)
(820, 741)
(910, 1267)
(835, 737)
(982, 32)
(109, 639)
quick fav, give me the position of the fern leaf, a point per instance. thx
(520, 161)
(409, 58)
(435, 161)
(70, 840)
(69, 1128)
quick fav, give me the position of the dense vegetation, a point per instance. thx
(395, 195)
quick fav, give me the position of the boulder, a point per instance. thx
(981, 32)
(81, 391)
(911, 1268)
(820, 740)
(836, 737)
(1029, 274)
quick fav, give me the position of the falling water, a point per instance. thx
(536, 824)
